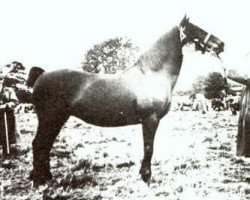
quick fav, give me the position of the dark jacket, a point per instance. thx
(243, 137)
(7, 118)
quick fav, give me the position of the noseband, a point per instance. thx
(207, 38)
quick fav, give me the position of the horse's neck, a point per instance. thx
(165, 56)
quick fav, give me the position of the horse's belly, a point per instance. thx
(107, 117)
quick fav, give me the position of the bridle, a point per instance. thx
(207, 38)
(199, 45)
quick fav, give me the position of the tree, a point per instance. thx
(214, 85)
(16, 74)
(110, 56)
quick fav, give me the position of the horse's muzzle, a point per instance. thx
(220, 48)
(217, 47)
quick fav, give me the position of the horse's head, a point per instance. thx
(203, 41)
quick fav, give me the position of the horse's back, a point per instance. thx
(81, 94)
(57, 89)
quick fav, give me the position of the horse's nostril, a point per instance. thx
(221, 45)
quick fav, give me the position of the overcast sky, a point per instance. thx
(56, 34)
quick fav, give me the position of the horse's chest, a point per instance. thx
(155, 98)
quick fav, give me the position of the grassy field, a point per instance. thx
(194, 158)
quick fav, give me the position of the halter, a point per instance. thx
(203, 46)
(206, 48)
(207, 38)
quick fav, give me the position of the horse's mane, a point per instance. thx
(165, 49)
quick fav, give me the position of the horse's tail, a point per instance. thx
(34, 73)
(25, 96)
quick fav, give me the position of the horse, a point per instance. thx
(187, 102)
(141, 94)
(194, 102)
(202, 103)
(233, 103)
(218, 104)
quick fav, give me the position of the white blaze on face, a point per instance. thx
(182, 34)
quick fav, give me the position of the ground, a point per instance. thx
(194, 158)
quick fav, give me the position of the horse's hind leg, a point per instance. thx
(149, 127)
(46, 133)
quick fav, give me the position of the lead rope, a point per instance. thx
(226, 85)
(225, 81)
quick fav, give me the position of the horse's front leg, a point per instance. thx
(149, 127)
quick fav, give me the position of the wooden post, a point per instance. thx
(6, 133)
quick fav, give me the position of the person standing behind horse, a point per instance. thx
(8, 101)
(243, 136)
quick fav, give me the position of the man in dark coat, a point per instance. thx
(8, 101)
(243, 137)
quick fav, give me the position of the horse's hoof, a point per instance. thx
(37, 183)
(145, 176)
(39, 179)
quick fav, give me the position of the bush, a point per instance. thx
(214, 85)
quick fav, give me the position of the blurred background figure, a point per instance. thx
(8, 102)
(8, 133)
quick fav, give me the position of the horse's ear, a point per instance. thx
(184, 20)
